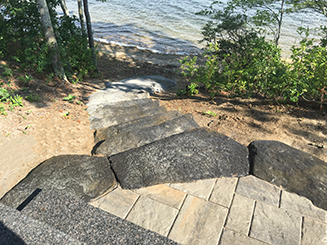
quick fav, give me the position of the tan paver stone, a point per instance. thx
(313, 232)
(232, 238)
(258, 189)
(200, 188)
(223, 191)
(302, 205)
(164, 194)
(240, 214)
(198, 222)
(275, 225)
(118, 202)
(152, 215)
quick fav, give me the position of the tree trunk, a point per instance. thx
(51, 39)
(90, 33)
(64, 7)
(81, 16)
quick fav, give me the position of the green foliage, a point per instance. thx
(33, 97)
(8, 100)
(22, 38)
(240, 61)
(209, 113)
(70, 98)
(309, 68)
(190, 90)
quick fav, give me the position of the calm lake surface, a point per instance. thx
(170, 26)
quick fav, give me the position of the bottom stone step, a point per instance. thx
(87, 223)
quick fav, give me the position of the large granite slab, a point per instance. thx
(296, 171)
(139, 137)
(121, 112)
(19, 229)
(106, 133)
(189, 156)
(84, 177)
(87, 223)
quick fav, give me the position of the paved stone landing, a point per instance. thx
(243, 211)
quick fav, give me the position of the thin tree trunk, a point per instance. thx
(81, 16)
(64, 7)
(90, 33)
(51, 39)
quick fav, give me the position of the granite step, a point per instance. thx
(121, 112)
(185, 157)
(106, 133)
(139, 137)
(18, 229)
(87, 223)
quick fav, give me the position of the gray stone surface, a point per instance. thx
(151, 83)
(240, 214)
(19, 229)
(87, 223)
(138, 137)
(198, 222)
(110, 96)
(294, 170)
(258, 189)
(275, 226)
(121, 112)
(84, 177)
(314, 232)
(193, 155)
(106, 133)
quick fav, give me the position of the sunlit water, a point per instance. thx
(170, 26)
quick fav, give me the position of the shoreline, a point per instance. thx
(133, 54)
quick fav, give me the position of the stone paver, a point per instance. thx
(240, 214)
(260, 190)
(241, 211)
(314, 232)
(118, 202)
(301, 205)
(275, 225)
(230, 237)
(223, 191)
(200, 188)
(165, 194)
(199, 222)
(153, 215)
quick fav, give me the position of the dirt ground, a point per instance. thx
(51, 126)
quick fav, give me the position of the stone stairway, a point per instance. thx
(158, 170)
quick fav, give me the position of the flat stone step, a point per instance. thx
(185, 157)
(106, 133)
(121, 112)
(17, 228)
(87, 223)
(139, 137)
(110, 96)
(85, 177)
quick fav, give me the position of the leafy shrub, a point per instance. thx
(22, 38)
(309, 69)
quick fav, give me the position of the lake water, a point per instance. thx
(170, 26)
